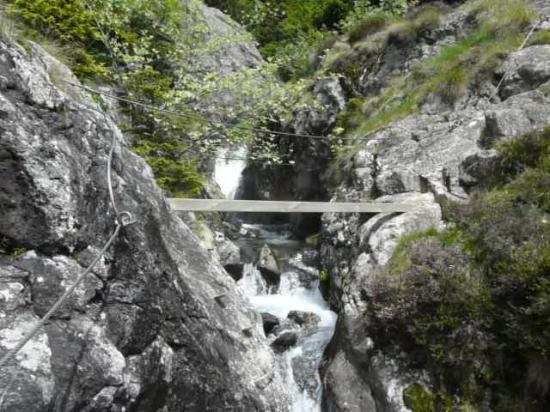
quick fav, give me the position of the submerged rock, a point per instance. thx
(284, 341)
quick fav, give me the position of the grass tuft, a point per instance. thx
(407, 31)
(373, 23)
(452, 85)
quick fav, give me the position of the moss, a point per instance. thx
(324, 277)
(419, 399)
(400, 259)
(389, 115)
(18, 252)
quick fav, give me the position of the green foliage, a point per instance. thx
(66, 20)
(177, 177)
(157, 52)
(471, 304)
(516, 155)
(418, 399)
(18, 252)
(451, 85)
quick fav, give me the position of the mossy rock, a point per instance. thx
(419, 399)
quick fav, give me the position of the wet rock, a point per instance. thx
(269, 266)
(284, 341)
(270, 322)
(307, 276)
(307, 319)
(230, 256)
(311, 258)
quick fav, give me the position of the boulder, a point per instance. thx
(307, 319)
(284, 341)
(230, 256)
(270, 322)
(269, 266)
(525, 70)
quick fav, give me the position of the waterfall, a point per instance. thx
(230, 164)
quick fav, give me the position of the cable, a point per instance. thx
(198, 117)
(499, 85)
(59, 302)
(123, 219)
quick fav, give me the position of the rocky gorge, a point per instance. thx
(196, 312)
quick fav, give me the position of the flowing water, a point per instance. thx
(230, 164)
(298, 290)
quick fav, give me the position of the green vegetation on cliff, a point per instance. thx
(163, 53)
(471, 304)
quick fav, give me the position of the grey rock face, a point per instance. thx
(354, 396)
(237, 50)
(427, 158)
(143, 332)
(525, 70)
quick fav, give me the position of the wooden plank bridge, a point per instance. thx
(264, 206)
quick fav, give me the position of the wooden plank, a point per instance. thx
(261, 206)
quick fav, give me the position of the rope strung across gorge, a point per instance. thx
(198, 117)
(123, 219)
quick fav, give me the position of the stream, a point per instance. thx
(297, 292)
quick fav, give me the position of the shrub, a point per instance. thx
(174, 175)
(472, 304)
(66, 22)
(371, 24)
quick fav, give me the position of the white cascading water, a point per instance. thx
(229, 167)
(300, 363)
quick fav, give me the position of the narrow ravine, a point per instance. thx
(304, 324)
